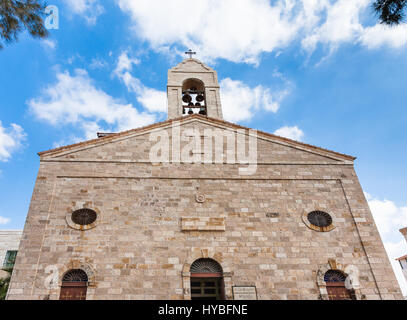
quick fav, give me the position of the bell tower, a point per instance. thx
(193, 88)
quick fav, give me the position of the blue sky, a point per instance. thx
(323, 72)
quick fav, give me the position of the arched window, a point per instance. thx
(207, 280)
(335, 286)
(193, 97)
(74, 285)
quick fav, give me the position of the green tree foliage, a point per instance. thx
(17, 16)
(4, 288)
(4, 285)
(390, 12)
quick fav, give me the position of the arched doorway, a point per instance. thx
(74, 285)
(207, 280)
(335, 286)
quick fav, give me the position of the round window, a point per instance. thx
(84, 217)
(319, 219)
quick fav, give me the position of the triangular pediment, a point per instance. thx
(192, 65)
(135, 145)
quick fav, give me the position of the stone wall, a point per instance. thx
(155, 220)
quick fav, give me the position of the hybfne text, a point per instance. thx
(209, 309)
(224, 309)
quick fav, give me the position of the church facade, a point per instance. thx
(199, 208)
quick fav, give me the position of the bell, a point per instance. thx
(197, 104)
(191, 104)
(190, 111)
(186, 98)
(202, 111)
(199, 98)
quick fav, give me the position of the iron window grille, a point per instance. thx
(205, 265)
(10, 259)
(84, 216)
(334, 276)
(75, 275)
(320, 219)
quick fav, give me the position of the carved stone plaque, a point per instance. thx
(244, 293)
(200, 198)
(202, 224)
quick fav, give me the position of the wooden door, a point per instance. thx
(338, 291)
(73, 291)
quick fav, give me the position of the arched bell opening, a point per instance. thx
(207, 280)
(74, 285)
(193, 97)
(335, 286)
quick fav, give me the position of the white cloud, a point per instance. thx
(151, 99)
(380, 35)
(49, 44)
(98, 64)
(10, 140)
(240, 31)
(88, 9)
(240, 102)
(341, 24)
(4, 220)
(389, 219)
(125, 63)
(387, 215)
(74, 99)
(293, 133)
(234, 30)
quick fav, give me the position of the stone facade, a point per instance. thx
(155, 219)
(9, 240)
(403, 260)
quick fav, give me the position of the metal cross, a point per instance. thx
(82, 296)
(66, 296)
(190, 53)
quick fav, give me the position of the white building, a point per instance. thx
(403, 260)
(403, 264)
(9, 243)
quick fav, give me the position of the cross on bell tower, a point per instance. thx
(193, 88)
(190, 53)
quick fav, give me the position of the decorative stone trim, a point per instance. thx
(333, 265)
(197, 253)
(73, 225)
(77, 264)
(200, 198)
(316, 228)
(55, 290)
